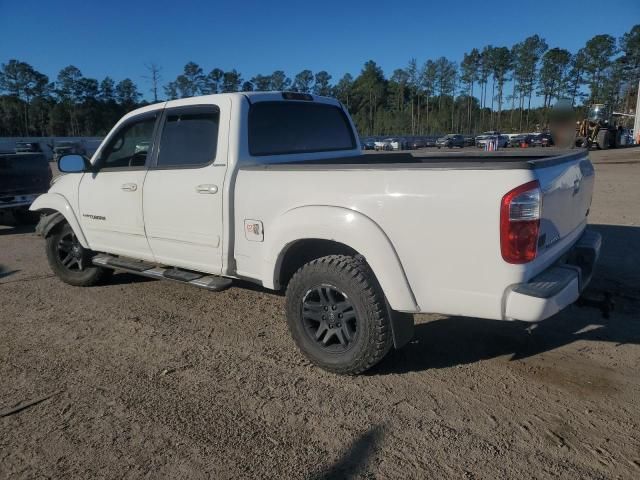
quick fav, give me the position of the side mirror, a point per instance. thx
(73, 163)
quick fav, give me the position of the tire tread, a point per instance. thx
(356, 270)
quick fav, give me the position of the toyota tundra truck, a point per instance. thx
(272, 188)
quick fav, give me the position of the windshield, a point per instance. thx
(597, 112)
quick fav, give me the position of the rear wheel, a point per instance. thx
(337, 314)
(70, 261)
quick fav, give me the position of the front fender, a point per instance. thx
(57, 202)
(350, 228)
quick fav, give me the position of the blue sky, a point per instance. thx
(116, 38)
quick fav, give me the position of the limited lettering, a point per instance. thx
(94, 217)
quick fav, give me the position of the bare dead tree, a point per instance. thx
(154, 77)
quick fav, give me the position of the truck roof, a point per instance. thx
(252, 97)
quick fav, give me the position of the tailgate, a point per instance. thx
(567, 188)
(24, 174)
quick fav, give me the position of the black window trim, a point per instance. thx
(153, 165)
(354, 144)
(157, 114)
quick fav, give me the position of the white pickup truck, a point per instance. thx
(273, 188)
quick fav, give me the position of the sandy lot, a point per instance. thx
(150, 379)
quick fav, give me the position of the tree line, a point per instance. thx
(489, 88)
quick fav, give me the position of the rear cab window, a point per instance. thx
(289, 127)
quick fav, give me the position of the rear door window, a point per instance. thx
(189, 137)
(279, 128)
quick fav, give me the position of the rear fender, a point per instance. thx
(63, 211)
(350, 228)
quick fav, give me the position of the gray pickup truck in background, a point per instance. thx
(23, 176)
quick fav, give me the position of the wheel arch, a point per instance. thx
(304, 233)
(302, 251)
(57, 209)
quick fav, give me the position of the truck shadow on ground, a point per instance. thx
(452, 341)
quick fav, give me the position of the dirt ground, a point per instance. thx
(151, 379)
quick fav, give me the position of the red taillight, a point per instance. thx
(520, 223)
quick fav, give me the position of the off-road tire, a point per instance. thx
(88, 276)
(352, 276)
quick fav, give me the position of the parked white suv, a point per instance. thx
(496, 138)
(382, 144)
(273, 188)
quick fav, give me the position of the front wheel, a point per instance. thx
(70, 261)
(337, 314)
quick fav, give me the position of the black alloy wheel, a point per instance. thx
(71, 254)
(329, 318)
(70, 261)
(338, 315)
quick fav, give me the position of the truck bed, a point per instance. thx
(459, 160)
(441, 214)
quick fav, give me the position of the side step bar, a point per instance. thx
(210, 282)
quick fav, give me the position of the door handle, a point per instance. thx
(129, 187)
(207, 188)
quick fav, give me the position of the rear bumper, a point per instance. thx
(558, 286)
